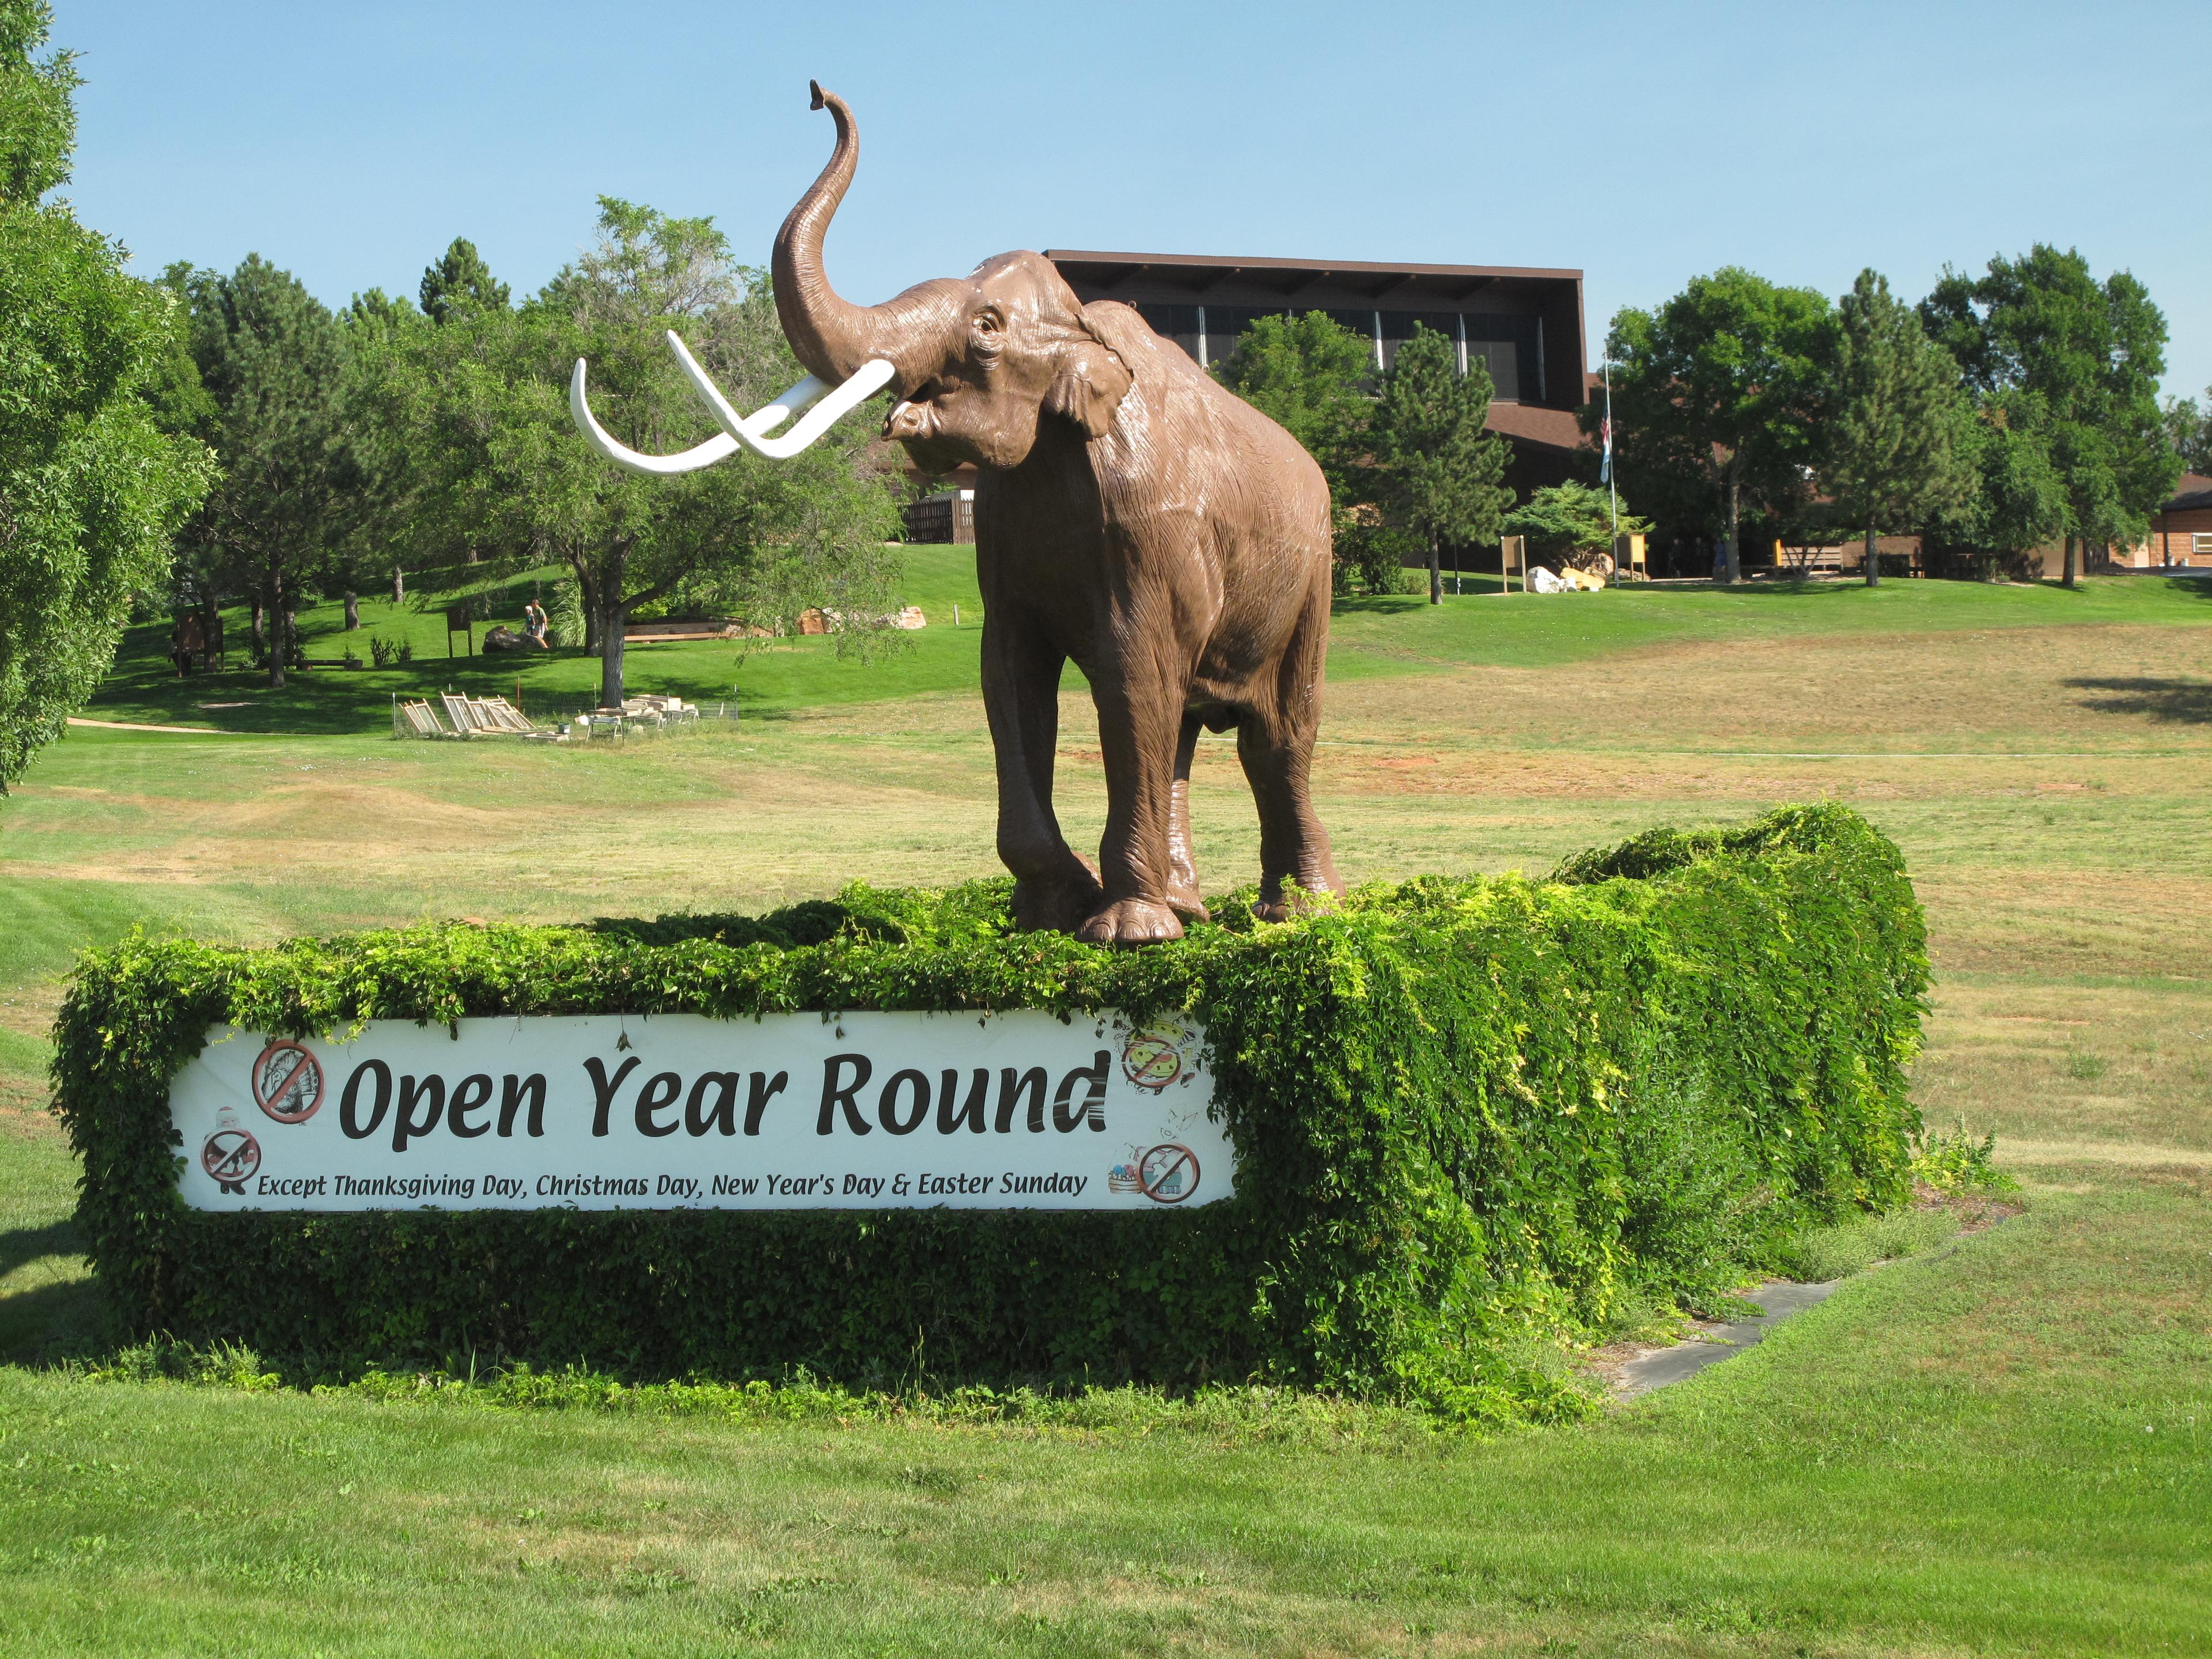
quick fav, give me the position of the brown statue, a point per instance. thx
(1131, 514)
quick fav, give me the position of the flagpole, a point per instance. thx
(1612, 488)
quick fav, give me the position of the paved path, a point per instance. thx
(1661, 1366)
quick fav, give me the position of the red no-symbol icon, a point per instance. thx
(1168, 1173)
(288, 1083)
(231, 1155)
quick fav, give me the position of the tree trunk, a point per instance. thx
(399, 585)
(1731, 561)
(274, 602)
(1435, 573)
(353, 611)
(260, 638)
(1873, 560)
(2072, 576)
(610, 655)
(590, 592)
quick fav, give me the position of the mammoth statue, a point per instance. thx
(1131, 514)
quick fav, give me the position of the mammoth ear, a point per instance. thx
(1090, 384)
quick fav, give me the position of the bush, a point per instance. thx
(1468, 1112)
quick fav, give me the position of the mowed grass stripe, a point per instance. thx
(1956, 1454)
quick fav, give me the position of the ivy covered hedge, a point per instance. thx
(1465, 1110)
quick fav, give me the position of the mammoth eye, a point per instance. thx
(986, 322)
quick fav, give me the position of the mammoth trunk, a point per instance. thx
(831, 336)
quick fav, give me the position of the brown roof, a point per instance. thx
(1288, 276)
(2192, 493)
(1532, 423)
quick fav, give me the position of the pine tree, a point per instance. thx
(461, 275)
(1897, 455)
(1441, 470)
(272, 360)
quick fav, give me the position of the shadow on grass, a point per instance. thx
(2188, 701)
(53, 1323)
(25, 1244)
(52, 1320)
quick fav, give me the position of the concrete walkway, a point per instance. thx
(1657, 1367)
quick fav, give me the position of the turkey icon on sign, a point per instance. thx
(288, 1083)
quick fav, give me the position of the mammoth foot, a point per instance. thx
(1131, 921)
(1288, 901)
(1183, 900)
(1055, 905)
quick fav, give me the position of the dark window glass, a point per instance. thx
(1506, 343)
(1398, 327)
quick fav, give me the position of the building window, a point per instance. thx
(2200, 546)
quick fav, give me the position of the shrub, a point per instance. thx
(1468, 1112)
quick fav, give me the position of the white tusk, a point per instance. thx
(690, 461)
(753, 431)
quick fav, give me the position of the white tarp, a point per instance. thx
(866, 1110)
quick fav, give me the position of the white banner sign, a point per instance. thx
(678, 1111)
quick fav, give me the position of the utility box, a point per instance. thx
(1628, 559)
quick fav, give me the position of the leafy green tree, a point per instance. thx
(2017, 501)
(460, 277)
(1440, 470)
(1718, 398)
(1572, 518)
(1897, 451)
(2092, 351)
(2189, 430)
(1312, 375)
(91, 487)
(481, 405)
(274, 363)
(1309, 374)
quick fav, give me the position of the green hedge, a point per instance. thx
(1464, 1110)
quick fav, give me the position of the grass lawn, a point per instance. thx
(2000, 1446)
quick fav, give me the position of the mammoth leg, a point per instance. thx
(1054, 889)
(1140, 723)
(1182, 869)
(1276, 744)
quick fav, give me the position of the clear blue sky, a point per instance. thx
(1642, 143)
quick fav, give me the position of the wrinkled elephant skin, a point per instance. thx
(1131, 514)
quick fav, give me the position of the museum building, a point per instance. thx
(1524, 325)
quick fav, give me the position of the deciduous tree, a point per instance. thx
(1718, 398)
(91, 487)
(481, 404)
(1315, 376)
(2092, 352)
(1897, 449)
(1440, 471)
(1572, 518)
(2018, 499)
(2189, 430)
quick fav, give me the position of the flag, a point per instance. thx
(1605, 464)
